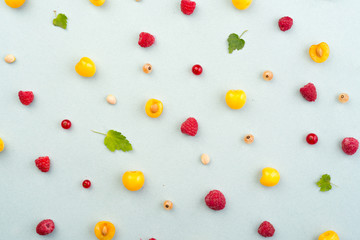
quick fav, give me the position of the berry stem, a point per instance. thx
(243, 33)
(55, 13)
(98, 132)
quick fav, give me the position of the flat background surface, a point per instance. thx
(275, 114)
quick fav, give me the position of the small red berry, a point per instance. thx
(190, 127)
(187, 6)
(197, 69)
(86, 183)
(26, 97)
(285, 23)
(266, 229)
(66, 124)
(312, 138)
(45, 227)
(43, 163)
(146, 39)
(215, 200)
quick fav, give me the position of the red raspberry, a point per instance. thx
(43, 163)
(285, 23)
(146, 39)
(350, 145)
(187, 7)
(309, 92)
(152, 239)
(266, 229)
(26, 97)
(190, 126)
(45, 227)
(215, 200)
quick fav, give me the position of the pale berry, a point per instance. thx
(168, 205)
(86, 183)
(66, 124)
(268, 75)
(312, 139)
(205, 159)
(249, 139)
(147, 68)
(343, 97)
(197, 69)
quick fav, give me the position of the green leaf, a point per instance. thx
(235, 42)
(60, 21)
(116, 141)
(324, 183)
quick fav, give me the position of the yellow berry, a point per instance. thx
(104, 230)
(205, 159)
(85, 67)
(268, 75)
(154, 108)
(320, 52)
(97, 2)
(329, 235)
(14, 3)
(168, 205)
(133, 180)
(343, 98)
(235, 99)
(249, 139)
(241, 4)
(270, 177)
(2, 145)
(147, 68)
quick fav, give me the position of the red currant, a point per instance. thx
(86, 183)
(66, 124)
(312, 139)
(197, 69)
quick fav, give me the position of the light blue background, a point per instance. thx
(275, 114)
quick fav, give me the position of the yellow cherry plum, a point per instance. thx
(85, 67)
(235, 99)
(329, 235)
(104, 230)
(97, 3)
(320, 52)
(241, 4)
(270, 177)
(2, 145)
(154, 108)
(133, 180)
(15, 3)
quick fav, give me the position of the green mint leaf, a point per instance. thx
(241, 43)
(60, 21)
(233, 41)
(324, 183)
(236, 42)
(116, 141)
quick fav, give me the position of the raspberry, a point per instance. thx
(285, 23)
(152, 239)
(43, 163)
(309, 92)
(190, 126)
(266, 229)
(215, 200)
(146, 39)
(26, 97)
(350, 145)
(45, 227)
(187, 7)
